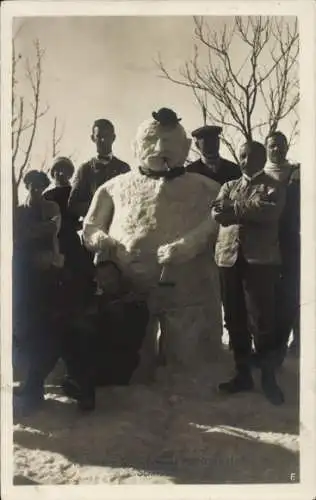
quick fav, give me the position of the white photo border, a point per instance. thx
(305, 11)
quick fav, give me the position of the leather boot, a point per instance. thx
(242, 381)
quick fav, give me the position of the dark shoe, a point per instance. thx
(270, 388)
(241, 382)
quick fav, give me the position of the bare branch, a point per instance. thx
(34, 77)
(166, 74)
(18, 133)
(293, 134)
(267, 75)
(56, 138)
(231, 147)
(44, 164)
(28, 125)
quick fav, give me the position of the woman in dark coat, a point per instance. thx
(69, 241)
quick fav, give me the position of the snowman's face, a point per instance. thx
(157, 146)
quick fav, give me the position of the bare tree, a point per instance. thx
(56, 139)
(44, 166)
(54, 149)
(231, 93)
(25, 114)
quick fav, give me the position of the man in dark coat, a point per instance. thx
(37, 269)
(96, 171)
(288, 290)
(105, 337)
(211, 164)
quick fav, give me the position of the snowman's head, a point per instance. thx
(161, 143)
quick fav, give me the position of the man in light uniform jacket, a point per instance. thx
(247, 253)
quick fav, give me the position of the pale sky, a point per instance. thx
(103, 67)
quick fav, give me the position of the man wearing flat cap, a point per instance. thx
(211, 164)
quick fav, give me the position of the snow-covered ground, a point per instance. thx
(178, 430)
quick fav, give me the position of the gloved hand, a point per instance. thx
(170, 253)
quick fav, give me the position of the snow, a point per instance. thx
(179, 430)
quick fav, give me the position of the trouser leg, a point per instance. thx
(237, 324)
(77, 352)
(43, 352)
(42, 335)
(260, 297)
(224, 316)
(235, 313)
(259, 285)
(78, 349)
(287, 305)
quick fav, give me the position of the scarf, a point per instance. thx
(280, 172)
(166, 174)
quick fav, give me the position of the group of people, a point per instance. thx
(126, 269)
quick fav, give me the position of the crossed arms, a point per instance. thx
(259, 207)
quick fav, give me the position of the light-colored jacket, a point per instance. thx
(252, 224)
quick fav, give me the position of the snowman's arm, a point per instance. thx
(97, 221)
(202, 236)
(197, 240)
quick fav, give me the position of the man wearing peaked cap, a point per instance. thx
(207, 130)
(211, 164)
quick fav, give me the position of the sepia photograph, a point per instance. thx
(151, 278)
